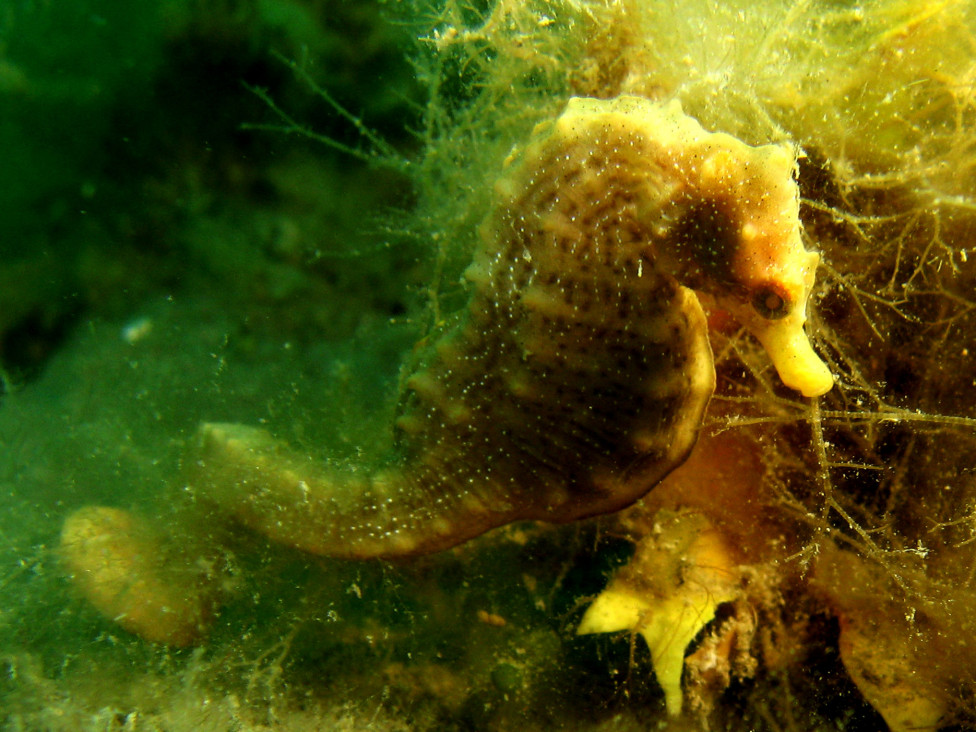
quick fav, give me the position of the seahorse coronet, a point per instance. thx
(578, 374)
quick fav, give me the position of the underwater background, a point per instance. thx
(253, 211)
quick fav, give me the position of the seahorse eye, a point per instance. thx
(771, 302)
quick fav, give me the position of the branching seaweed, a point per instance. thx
(376, 151)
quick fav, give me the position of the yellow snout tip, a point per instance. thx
(797, 363)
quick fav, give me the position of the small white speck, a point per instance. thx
(136, 330)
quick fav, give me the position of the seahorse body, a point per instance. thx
(579, 373)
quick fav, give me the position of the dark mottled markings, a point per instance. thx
(577, 349)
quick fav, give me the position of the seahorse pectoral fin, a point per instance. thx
(797, 363)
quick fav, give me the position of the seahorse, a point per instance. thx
(579, 372)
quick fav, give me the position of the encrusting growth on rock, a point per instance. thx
(121, 566)
(578, 375)
(668, 592)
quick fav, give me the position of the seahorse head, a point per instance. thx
(743, 225)
(730, 228)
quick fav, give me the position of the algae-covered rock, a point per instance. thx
(121, 566)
